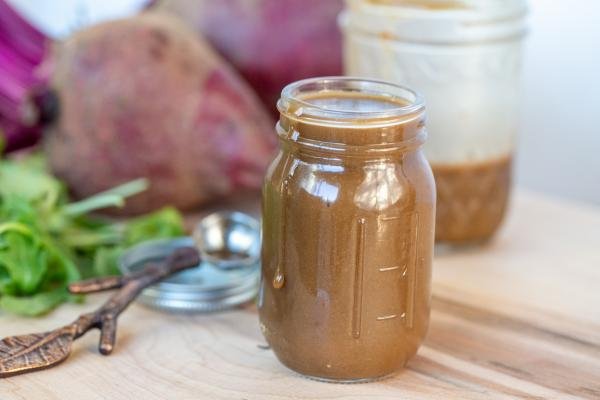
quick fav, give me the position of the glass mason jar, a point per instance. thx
(348, 225)
(464, 56)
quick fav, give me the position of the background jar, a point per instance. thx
(348, 218)
(464, 56)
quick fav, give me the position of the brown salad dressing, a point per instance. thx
(348, 219)
(471, 200)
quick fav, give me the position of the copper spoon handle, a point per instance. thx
(26, 353)
(132, 285)
(97, 285)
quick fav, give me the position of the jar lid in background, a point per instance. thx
(437, 21)
(203, 289)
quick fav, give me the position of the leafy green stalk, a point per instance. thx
(47, 242)
(114, 197)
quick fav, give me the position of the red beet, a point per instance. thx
(270, 42)
(145, 97)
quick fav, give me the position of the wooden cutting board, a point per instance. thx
(519, 318)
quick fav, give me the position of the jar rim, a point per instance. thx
(456, 9)
(477, 22)
(291, 94)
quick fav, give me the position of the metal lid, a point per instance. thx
(209, 287)
(435, 21)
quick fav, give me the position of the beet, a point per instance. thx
(270, 42)
(145, 97)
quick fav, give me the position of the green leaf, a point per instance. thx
(61, 269)
(47, 242)
(14, 208)
(35, 305)
(163, 223)
(23, 257)
(28, 179)
(106, 261)
(6, 283)
(32, 262)
(114, 197)
(80, 238)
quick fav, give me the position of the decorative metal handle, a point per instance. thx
(26, 353)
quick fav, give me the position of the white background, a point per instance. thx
(560, 137)
(559, 149)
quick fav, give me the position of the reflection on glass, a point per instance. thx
(380, 188)
(317, 186)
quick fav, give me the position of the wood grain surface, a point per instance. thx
(519, 318)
